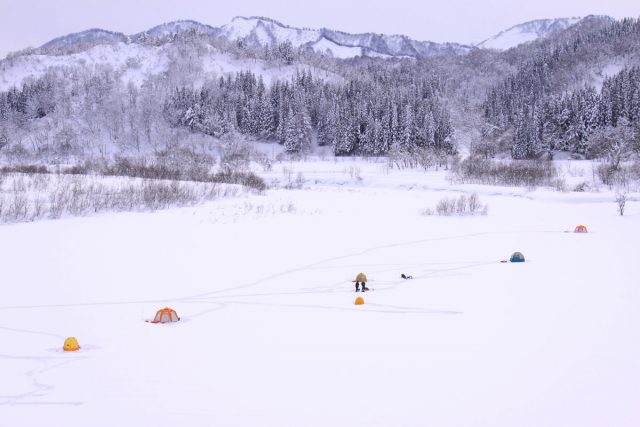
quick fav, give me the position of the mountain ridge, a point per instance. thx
(532, 30)
(92, 35)
(259, 31)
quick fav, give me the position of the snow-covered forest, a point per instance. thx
(366, 118)
(547, 111)
(563, 93)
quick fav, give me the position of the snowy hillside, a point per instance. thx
(174, 27)
(267, 31)
(529, 31)
(261, 31)
(135, 63)
(269, 334)
(606, 71)
(331, 48)
(89, 37)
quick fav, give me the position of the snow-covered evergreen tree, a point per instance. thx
(298, 131)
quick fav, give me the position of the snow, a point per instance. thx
(509, 39)
(337, 51)
(269, 333)
(218, 64)
(612, 69)
(238, 28)
(137, 62)
(340, 44)
(175, 27)
(374, 54)
(262, 35)
(526, 32)
(608, 70)
(395, 42)
(95, 35)
(241, 27)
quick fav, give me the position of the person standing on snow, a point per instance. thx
(361, 278)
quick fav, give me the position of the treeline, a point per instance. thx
(530, 100)
(536, 105)
(386, 108)
(35, 100)
(366, 116)
(573, 122)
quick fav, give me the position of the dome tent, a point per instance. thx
(166, 315)
(361, 277)
(71, 344)
(517, 257)
(580, 229)
(359, 301)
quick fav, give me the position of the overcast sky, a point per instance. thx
(30, 23)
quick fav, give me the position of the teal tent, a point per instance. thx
(517, 257)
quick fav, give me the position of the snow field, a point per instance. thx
(270, 335)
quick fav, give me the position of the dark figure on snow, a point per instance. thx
(405, 276)
(361, 279)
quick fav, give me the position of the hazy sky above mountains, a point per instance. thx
(31, 23)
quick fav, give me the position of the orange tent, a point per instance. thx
(580, 229)
(166, 315)
(359, 301)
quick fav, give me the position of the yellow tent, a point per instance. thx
(71, 344)
(361, 277)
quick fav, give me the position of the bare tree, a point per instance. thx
(615, 144)
(621, 200)
(235, 151)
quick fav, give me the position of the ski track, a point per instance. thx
(314, 265)
(354, 254)
(29, 331)
(381, 308)
(41, 390)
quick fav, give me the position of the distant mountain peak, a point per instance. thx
(175, 27)
(526, 32)
(259, 18)
(90, 36)
(259, 31)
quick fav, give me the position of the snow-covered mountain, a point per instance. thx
(259, 31)
(529, 31)
(92, 37)
(174, 27)
(135, 63)
(266, 31)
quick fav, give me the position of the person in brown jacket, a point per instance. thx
(361, 278)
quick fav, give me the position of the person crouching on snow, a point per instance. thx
(361, 278)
